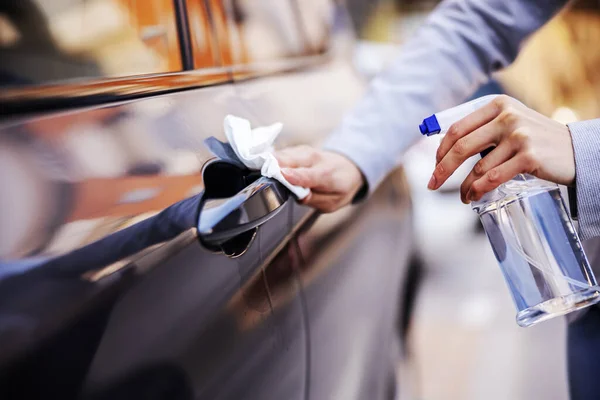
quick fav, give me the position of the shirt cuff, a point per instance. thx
(586, 145)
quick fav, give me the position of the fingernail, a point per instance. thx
(432, 182)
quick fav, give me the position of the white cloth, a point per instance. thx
(254, 147)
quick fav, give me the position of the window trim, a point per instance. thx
(30, 99)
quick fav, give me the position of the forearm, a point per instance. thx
(461, 44)
(586, 146)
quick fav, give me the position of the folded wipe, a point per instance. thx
(254, 148)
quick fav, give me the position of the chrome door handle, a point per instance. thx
(221, 220)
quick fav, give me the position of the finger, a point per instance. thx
(324, 202)
(305, 177)
(497, 176)
(308, 199)
(500, 154)
(479, 140)
(297, 156)
(469, 123)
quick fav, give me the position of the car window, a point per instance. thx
(204, 48)
(265, 30)
(316, 18)
(54, 40)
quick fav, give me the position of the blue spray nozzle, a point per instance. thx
(430, 126)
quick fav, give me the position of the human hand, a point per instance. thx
(525, 142)
(333, 179)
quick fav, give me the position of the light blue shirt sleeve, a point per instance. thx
(586, 145)
(451, 55)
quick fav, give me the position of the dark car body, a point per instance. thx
(125, 273)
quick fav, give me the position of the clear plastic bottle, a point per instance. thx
(537, 248)
(533, 238)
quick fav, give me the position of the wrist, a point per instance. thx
(359, 186)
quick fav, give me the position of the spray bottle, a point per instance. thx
(532, 236)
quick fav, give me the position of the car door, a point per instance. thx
(108, 287)
(292, 65)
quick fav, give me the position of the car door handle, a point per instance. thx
(223, 219)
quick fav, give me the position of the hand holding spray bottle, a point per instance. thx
(532, 236)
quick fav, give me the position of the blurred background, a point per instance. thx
(464, 341)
